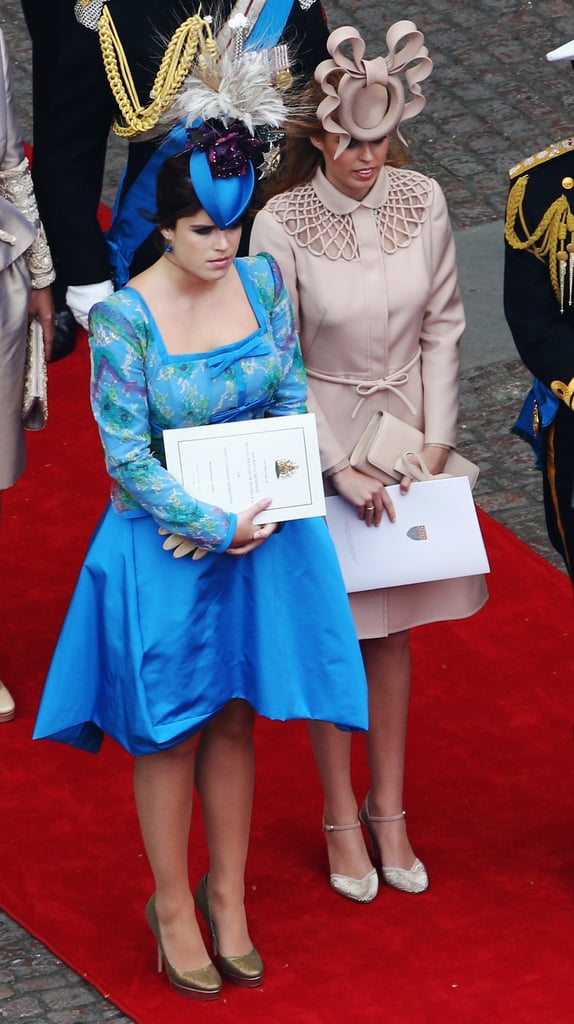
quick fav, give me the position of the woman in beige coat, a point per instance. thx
(25, 277)
(367, 254)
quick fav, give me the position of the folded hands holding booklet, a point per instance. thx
(436, 535)
(233, 464)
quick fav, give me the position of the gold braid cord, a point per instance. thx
(548, 240)
(192, 36)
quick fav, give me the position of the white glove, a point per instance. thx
(81, 297)
(181, 546)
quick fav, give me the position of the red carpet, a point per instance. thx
(489, 797)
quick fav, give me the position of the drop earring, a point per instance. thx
(168, 247)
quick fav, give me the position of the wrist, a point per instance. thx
(339, 467)
(336, 474)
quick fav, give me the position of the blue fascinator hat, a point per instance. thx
(224, 199)
(221, 170)
(227, 111)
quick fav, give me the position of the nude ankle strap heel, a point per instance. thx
(7, 706)
(362, 890)
(414, 879)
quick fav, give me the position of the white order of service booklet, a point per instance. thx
(234, 464)
(435, 536)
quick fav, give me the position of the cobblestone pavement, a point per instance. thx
(492, 99)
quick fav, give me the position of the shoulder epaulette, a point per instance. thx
(542, 157)
(551, 240)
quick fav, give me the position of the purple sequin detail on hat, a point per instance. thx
(228, 150)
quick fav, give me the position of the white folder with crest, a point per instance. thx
(435, 536)
(233, 464)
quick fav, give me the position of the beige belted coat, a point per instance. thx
(24, 263)
(375, 292)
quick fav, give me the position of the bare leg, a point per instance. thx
(225, 780)
(332, 750)
(388, 666)
(163, 786)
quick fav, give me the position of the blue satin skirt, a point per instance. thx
(153, 647)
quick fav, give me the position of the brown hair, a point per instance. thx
(175, 194)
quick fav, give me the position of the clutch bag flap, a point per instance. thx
(35, 395)
(383, 441)
(386, 439)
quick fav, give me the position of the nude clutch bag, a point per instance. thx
(384, 448)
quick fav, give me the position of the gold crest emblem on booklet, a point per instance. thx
(284, 468)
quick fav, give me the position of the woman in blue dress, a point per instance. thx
(173, 656)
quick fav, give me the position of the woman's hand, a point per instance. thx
(42, 305)
(248, 535)
(435, 460)
(246, 538)
(367, 495)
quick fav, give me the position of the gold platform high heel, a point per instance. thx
(362, 890)
(414, 879)
(205, 983)
(246, 970)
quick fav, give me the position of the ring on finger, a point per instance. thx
(369, 508)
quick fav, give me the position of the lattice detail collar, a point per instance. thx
(320, 218)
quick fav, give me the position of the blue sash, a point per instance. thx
(129, 228)
(546, 404)
(268, 28)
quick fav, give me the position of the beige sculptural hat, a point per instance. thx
(366, 99)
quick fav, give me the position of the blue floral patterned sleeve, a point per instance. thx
(119, 392)
(138, 390)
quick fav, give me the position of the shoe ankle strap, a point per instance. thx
(366, 814)
(340, 828)
(386, 817)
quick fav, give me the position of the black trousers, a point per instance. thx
(558, 482)
(73, 109)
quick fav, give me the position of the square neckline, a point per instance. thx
(252, 298)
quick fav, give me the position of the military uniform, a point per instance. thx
(73, 111)
(539, 307)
